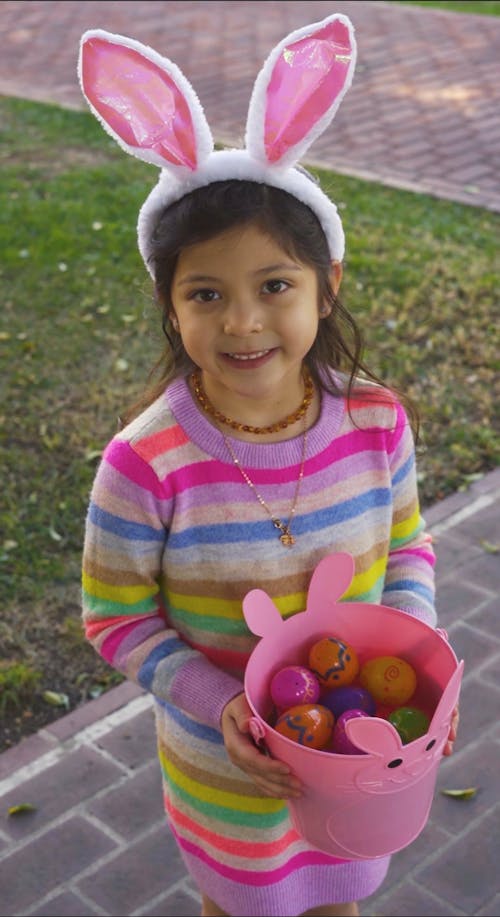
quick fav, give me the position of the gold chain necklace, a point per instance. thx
(207, 406)
(286, 536)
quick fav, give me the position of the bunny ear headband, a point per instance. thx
(146, 103)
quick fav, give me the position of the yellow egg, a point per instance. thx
(389, 679)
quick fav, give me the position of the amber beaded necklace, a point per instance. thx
(208, 407)
(285, 536)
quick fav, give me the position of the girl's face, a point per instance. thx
(248, 314)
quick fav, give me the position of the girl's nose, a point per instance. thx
(242, 318)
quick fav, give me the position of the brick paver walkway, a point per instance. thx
(422, 112)
(97, 842)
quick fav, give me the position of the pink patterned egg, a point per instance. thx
(294, 684)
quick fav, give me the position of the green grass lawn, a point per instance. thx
(79, 331)
(478, 7)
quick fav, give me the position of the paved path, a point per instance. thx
(422, 114)
(97, 843)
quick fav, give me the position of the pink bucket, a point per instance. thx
(367, 805)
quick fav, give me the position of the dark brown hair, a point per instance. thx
(221, 206)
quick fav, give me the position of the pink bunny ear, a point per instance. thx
(374, 736)
(261, 614)
(143, 100)
(299, 90)
(330, 580)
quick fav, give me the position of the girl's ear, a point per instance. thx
(336, 272)
(335, 281)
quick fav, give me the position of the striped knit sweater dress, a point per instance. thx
(174, 540)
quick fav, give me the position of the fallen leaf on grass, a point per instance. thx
(56, 698)
(489, 547)
(54, 535)
(21, 808)
(92, 454)
(461, 794)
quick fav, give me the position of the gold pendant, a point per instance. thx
(287, 539)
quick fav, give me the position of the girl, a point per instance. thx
(264, 446)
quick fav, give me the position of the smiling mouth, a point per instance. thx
(249, 356)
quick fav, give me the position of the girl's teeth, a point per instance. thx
(248, 356)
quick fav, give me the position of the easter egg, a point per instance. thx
(307, 724)
(340, 744)
(348, 697)
(410, 722)
(389, 679)
(334, 662)
(383, 711)
(294, 684)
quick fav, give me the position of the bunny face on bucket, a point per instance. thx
(388, 763)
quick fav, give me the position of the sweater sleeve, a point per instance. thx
(409, 580)
(123, 614)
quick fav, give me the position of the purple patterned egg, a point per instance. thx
(341, 745)
(294, 684)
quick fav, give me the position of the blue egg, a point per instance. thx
(348, 697)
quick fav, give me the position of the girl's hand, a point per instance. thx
(448, 748)
(272, 777)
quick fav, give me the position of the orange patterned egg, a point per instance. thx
(389, 679)
(334, 662)
(308, 724)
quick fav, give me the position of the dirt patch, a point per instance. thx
(49, 639)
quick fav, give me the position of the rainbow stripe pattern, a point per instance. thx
(174, 539)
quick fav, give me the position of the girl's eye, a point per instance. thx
(204, 295)
(275, 286)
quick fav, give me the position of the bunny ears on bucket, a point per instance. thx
(148, 106)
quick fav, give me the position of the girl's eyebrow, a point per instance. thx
(268, 269)
(283, 266)
(198, 278)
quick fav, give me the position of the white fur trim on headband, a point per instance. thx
(238, 164)
(145, 102)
